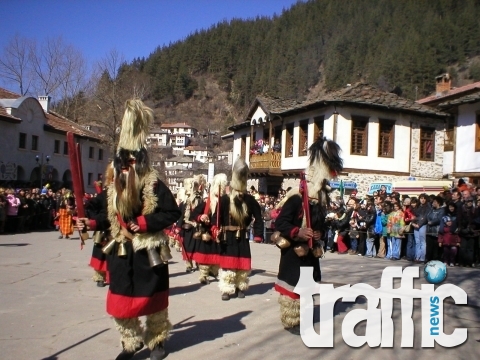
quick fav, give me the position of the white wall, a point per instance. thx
(447, 162)
(466, 159)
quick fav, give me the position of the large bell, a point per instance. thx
(165, 254)
(122, 250)
(237, 234)
(107, 249)
(97, 237)
(154, 258)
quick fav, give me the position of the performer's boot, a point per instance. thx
(290, 314)
(178, 246)
(213, 272)
(227, 284)
(99, 277)
(131, 337)
(156, 332)
(189, 266)
(204, 270)
(241, 282)
(171, 241)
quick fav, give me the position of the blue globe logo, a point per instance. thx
(435, 271)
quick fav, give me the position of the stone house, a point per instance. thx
(462, 145)
(383, 137)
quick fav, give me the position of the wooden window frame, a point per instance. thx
(359, 122)
(449, 136)
(303, 138)
(35, 140)
(56, 147)
(477, 132)
(24, 137)
(89, 178)
(243, 146)
(91, 152)
(65, 148)
(423, 140)
(100, 154)
(390, 153)
(288, 140)
(318, 126)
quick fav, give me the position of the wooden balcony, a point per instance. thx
(266, 164)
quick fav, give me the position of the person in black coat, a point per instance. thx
(300, 244)
(237, 210)
(138, 206)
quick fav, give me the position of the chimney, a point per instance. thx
(444, 83)
(45, 102)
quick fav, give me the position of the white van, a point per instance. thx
(411, 187)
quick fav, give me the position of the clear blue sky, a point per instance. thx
(134, 28)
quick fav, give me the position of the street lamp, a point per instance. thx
(39, 161)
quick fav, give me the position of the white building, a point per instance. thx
(179, 134)
(159, 137)
(30, 131)
(198, 153)
(462, 146)
(383, 137)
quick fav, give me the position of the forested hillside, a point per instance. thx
(399, 45)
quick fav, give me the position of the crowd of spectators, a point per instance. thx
(33, 209)
(444, 226)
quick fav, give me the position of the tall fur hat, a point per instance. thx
(199, 183)
(324, 164)
(135, 125)
(219, 183)
(239, 176)
(188, 186)
(181, 197)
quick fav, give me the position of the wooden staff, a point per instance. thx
(306, 204)
(76, 169)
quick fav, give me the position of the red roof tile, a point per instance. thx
(7, 94)
(4, 114)
(61, 123)
(455, 91)
(177, 125)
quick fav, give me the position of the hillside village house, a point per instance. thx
(383, 137)
(31, 131)
(462, 146)
(179, 135)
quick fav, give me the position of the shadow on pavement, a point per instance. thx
(186, 334)
(259, 289)
(179, 290)
(18, 244)
(55, 357)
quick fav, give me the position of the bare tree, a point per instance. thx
(15, 66)
(112, 83)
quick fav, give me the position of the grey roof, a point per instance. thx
(360, 94)
(467, 99)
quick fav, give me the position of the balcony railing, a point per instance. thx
(270, 160)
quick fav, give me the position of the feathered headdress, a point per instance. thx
(324, 164)
(239, 176)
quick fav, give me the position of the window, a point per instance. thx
(100, 154)
(56, 147)
(22, 143)
(90, 178)
(65, 148)
(303, 138)
(359, 135)
(477, 132)
(99, 177)
(243, 146)
(386, 138)
(91, 152)
(449, 141)
(318, 127)
(289, 141)
(34, 142)
(427, 144)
